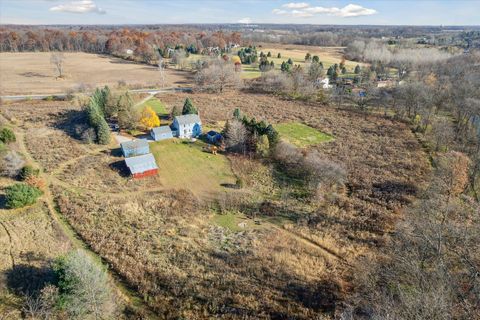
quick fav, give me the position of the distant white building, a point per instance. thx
(324, 83)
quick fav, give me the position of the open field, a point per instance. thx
(186, 165)
(189, 261)
(155, 104)
(328, 56)
(31, 72)
(301, 135)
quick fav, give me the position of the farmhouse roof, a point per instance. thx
(141, 163)
(188, 119)
(134, 144)
(162, 129)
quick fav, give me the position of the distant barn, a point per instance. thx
(142, 166)
(135, 148)
(161, 133)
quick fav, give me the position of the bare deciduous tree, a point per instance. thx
(57, 59)
(236, 136)
(218, 76)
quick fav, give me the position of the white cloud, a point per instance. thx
(296, 5)
(354, 10)
(82, 6)
(245, 20)
(300, 14)
(302, 10)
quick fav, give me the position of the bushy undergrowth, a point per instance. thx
(21, 195)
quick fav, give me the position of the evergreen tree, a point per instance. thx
(175, 112)
(269, 54)
(290, 61)
(237, 113)
(357, 69)
(344, 70)
(279, 55)
(103, 132)
(330, 71)
(308, 56)
(188, 107)
(316, 59)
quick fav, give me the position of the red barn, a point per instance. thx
(142, 166)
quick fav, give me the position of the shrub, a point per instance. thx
(28, 171)
(83, 287)
(21, 195)
(7, 136)
(11, 164)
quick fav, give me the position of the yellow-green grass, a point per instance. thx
(155, 104)
(184, 165)
(232, 221)
(298, 57)
(301, 135)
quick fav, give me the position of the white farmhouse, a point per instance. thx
(187, 126)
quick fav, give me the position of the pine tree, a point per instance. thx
(316, 59)
(290, 61)
(269, 54)
(188, 107)
(237, 113)
(103, 132)
(175, 112)
(308, 56)
(357, 69)
(279, 55)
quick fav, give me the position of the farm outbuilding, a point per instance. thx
(135, 148)
(213, 136)
(161, 133)
(187, 126)
(142, 166)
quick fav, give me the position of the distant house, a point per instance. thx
(213, 136)
(142, 166)
(187, 126)
(161, 133)
(324, 83)
(135, 148)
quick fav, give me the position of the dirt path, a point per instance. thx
(10, 250)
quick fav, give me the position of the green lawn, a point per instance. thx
(301, 135)
(232, 222)
(186, 165)
(155, 104)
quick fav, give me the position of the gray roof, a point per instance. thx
(188, 119)
(162, 129)
(141, 163)
(134, 144)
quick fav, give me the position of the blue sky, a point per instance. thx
(391, 12)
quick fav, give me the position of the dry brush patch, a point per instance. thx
(163, 244)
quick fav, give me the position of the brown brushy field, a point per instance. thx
(298, 264)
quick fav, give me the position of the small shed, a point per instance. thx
(161, 133)
(135, 148)
(142, 166)
(213, 136)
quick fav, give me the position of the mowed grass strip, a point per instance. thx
(184, 165)
(301, 135)
(155, 104)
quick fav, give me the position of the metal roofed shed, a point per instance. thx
(135, 148)
(142, 166)
(161, 133)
